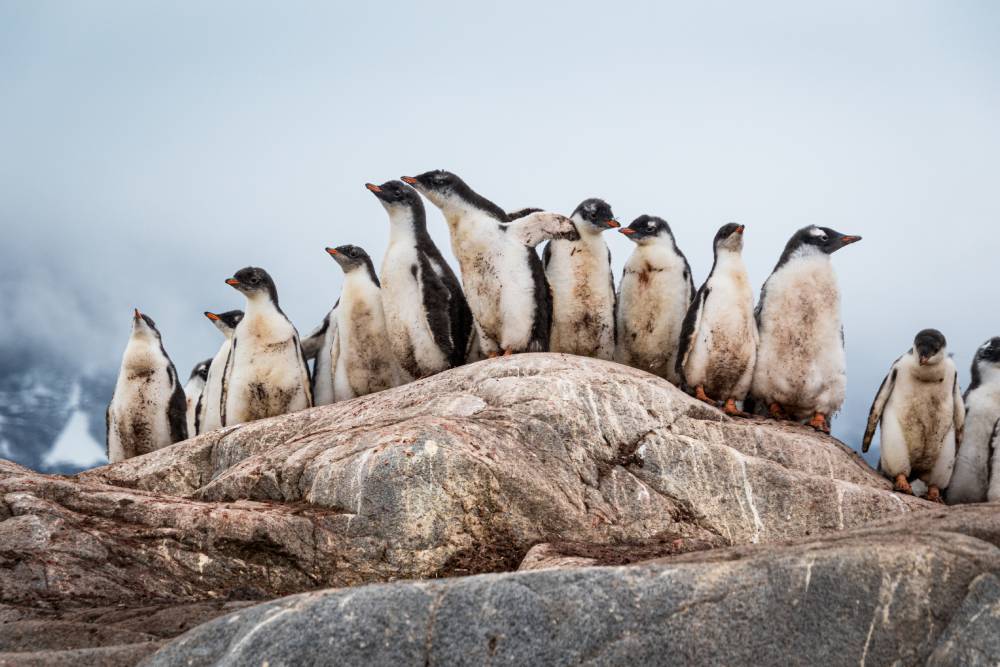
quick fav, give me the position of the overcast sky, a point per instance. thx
(148, 150)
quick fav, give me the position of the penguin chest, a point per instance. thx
(482, 258)
(982, 412)
(267, 377)
(923, 410)
(211, 408)
(365, 360)
(725, 344)
(583, 298)
(406, 317)
(139, 422)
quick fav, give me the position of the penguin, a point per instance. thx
(266, 373)
(209, 415)
(147, 409)
(317, 347)
(920, 408)
(654, 295)
(361, 360)
(718, 341)
(801, 367)
(583, 287)
(503, 277)
(426, 315)
(192, 394)
(970, 482)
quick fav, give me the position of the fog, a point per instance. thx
(149, 150)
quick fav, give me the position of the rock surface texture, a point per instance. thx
(532, 462)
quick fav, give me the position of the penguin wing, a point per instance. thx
(177, 409)
(437, 307)
(226, 373)
(107, 429)
(520, 213)
(307, 384)
(689, 328)
(878, 405)
(312, 342)
(540, 226)
(994, 443)
(546, 254)
(958, 412)
(614, 307)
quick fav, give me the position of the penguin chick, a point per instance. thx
(427, 318)
(971, 480)
(192, 394)
(502, 275)
(147, 409)
(209, 414)
(800, 371)
(718, 341)
(583, 288)
(655, 293)
(920, 409)
(266, 374)
(360, 357)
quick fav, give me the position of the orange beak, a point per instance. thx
(137, 314)
(739, 230)
(627, 231)
(613, 223)
(232, 282)
(211, 316)
(332, 251)
(847, 240)
(373, 187)
(409, 179)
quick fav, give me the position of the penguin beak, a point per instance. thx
(232, 282)
(409, 180)
(612, 223)
(373, 188)
(740, 229)
(136, 314)
(848, 240)
(332, 251)
(627, 231)
(212, 316)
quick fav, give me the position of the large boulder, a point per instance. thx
(901, 592)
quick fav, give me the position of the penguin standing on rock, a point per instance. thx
(583, 287)
(919, 406)
(147, 410)
(970, 482)
(209, 415)
(266, 374)
(426, 315)
(718, 341)
(361, 361)
(800, 371)
(503, 277)
(653, 298)
(192, 394)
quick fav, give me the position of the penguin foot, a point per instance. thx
(730, 409)
(508, 352)
(819, 423)
(777, 412)
(902, 485)
(699, 393)
(492, 355)
(934, 494)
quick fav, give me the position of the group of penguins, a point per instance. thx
(783, 358)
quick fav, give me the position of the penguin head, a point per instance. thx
(143, 326)
(729, 238)
(986, 361)
(594, 216)
(352, 258)
(929, 347)
(648, 229)
(824, 239)
(225, 322)
(395, 195)
(444, 188)
(254, 282)
(200, 370)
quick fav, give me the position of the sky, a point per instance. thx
(148, 150)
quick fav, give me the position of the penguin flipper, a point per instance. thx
(689, 328)
(437, 307)
(177, 409)
(107, 429)
(958, 412)
(520, 213)
(878, 405)
(614, 306)
(546, 255)
(314, 341)
(540, 226)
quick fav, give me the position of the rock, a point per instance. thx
(897, 592)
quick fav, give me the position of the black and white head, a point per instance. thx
(399, 199)
(200, 370)
(143, 326)
(729, 238)
(648, 229)
(254, 283)
(815, 241)
(594, 216)
(225, 322)
(448, 192)
(929, 347)
(987, 361)
(353, 258)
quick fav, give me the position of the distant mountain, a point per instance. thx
(52, 415)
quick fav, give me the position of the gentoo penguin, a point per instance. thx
(920, 408)
(970, 482)
(654, 295)
(192, 394)
(502, 275)
(583, 287)
(147, 410)
(210, 405)
(360, 357)
(266, 373)
(800, 370)
(718, 341)
(426, 315)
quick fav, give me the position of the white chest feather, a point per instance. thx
(192, 392)
(406, 321)
(920, 410)
(971, 479)
(138, 412)
(365, 361)
(583, 298)
(211, 402)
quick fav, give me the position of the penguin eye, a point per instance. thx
(650, 225)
